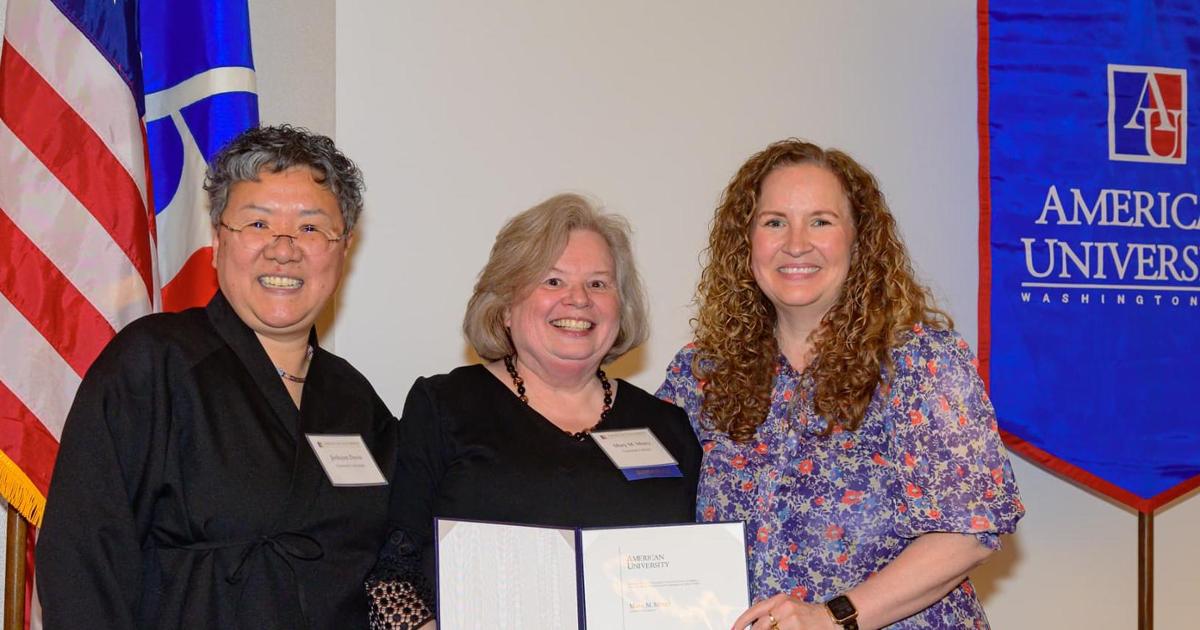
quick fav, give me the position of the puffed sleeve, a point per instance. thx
(680, 387)
(89, 556)
(953, 471)
(399, 588)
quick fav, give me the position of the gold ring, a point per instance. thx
(774, 621)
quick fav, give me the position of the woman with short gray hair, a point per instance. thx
(197, 484)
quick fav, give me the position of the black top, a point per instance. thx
(471, 449)
(185, 494)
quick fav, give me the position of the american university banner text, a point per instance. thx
(1090, 239)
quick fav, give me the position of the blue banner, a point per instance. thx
(1090, 238)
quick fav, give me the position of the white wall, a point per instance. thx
(463, 114)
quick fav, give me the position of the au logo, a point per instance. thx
(1147, 114)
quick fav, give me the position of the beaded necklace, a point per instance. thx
(308, 354)
(519, 383)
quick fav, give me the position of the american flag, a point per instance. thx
(109, 110)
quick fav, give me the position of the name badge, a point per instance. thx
(346, 460)
(637, 453)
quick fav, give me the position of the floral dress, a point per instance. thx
(826, 512)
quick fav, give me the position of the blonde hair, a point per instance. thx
(527, 246)
(735, 324)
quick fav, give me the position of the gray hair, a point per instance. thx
(526, 247)
(276, 149)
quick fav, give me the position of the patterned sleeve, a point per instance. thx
(399, 598)
(953, 470)
(680, 387)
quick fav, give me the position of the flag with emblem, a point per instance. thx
(109, 111)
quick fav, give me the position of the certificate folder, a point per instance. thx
(660, 577)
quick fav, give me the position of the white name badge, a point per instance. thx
(346, 460)
(637, 453)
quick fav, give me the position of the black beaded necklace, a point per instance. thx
(519, 383)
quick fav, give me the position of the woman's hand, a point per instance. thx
(783, 612)
(931, 566)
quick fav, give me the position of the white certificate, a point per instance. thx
(492, 575)
(678, 576)
(662, 577)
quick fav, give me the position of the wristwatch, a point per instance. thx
(843, 612)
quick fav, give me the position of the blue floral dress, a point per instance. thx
(826, 512)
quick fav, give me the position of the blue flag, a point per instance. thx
(198, 72)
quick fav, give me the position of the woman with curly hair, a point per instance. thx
(840, 414)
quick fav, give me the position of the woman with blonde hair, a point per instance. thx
(839, 413)
(510, 440)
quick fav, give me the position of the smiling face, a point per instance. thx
(570, 319)
(279, 289)
(801, 241)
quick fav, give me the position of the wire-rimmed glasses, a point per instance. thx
(310, 239)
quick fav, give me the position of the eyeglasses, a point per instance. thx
(310, 239)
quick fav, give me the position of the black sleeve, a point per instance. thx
(89, 562)
(404, 572)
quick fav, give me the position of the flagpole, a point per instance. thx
(1145, 570)
(14, 572)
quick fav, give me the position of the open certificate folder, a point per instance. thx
(658, 577)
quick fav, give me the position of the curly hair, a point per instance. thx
(277, 149)
(526, 247)
(735, 324)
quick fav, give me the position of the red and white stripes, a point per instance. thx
(77, 257)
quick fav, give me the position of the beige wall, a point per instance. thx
(294, 61)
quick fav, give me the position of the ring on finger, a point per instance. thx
(774, 622)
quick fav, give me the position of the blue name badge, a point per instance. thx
(637, 453)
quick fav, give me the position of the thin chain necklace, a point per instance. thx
(308, 354)
(519, 383)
